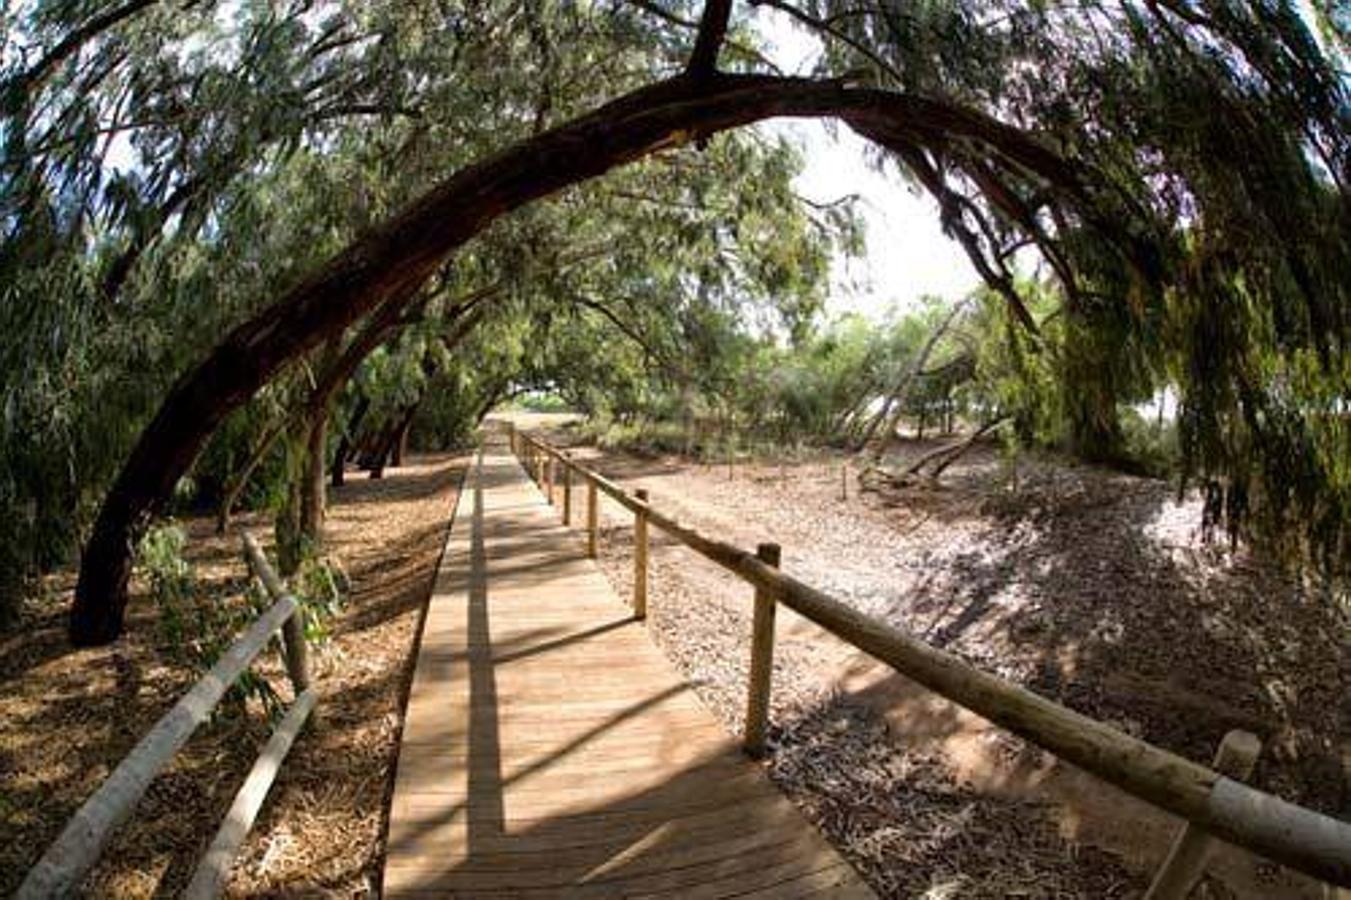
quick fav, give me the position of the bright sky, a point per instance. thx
(907, 254)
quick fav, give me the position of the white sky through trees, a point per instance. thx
(907, 255)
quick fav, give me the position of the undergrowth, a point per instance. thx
(198, 623)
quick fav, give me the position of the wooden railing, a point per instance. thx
(61, 869)
(1213, 803)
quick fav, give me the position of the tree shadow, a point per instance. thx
(550, 816)
(1082, 602)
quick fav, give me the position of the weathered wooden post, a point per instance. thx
(567, 488)
(592, 518)
(844, 481)
(549, 478)
(292, 631)
(539, 469)
(762, 658)
(640, 558)
(1186, 860)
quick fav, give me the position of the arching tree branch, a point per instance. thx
(397, 257)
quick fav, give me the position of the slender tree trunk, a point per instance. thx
(345, 442)
(313, 497)
(902, 386)
(383, 447)
(399, 445)
(392, 260)
(288, 527)
(240, 480)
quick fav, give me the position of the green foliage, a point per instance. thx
(196, 626)
(321, 585)
(181, 166)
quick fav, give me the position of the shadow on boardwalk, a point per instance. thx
(550, 750)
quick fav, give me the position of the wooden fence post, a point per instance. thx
(592, 517)
(549, 478)
(567, 489)
(762, 658)
(293, 630)
(640, 558)
(1186, 860)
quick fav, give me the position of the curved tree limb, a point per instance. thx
(396, 258)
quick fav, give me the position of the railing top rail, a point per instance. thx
(75, 851)
(1297, 836)
(80, 844)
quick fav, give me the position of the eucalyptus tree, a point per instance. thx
(1222, 128)
(1181, 168)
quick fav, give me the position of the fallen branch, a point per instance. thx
(944, 456)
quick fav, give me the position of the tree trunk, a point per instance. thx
(339, 468)
(287, 524)
(947, 454)
(902, 386)
(345, 442)
(241, 478)
(313, 498)
(400, 447)
(400, 443)
(394, 259)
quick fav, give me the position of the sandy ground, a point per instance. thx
(1090, 587)
(68, 716)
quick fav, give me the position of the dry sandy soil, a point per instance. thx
(67, 716)
(1088, 586)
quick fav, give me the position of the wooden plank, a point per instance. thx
(549, 835)
(549, 749)
(762, 660)
(731, 871)
(1236, 756)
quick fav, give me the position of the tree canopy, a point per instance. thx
(214, 212)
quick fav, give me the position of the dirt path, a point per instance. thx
(67, 717)
(1087, 586)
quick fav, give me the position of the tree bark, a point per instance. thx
(315, 499)
(401, 438)
(393, 260)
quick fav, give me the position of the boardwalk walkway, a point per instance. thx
(550, 750)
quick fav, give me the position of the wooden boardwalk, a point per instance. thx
(550, 750)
